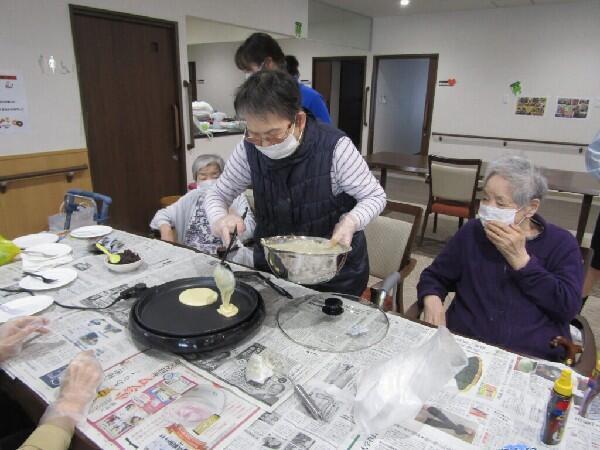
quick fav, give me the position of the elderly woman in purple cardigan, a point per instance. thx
(517, 278)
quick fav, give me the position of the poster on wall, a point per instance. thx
(13, 102)
(572, 108)
(531, 106)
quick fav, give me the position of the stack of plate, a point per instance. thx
(45, 256)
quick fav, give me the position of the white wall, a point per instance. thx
(401, 92)
(30, 28)
(554, 50)
(215, 65)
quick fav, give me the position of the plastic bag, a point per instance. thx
(394, 391)
(8, 251)
(81, 217)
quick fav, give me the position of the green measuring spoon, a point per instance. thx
(113, 258)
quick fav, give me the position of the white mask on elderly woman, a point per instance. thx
(502, 215)
(205, 183)
(281, 150)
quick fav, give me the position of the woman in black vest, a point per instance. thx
(308, 178)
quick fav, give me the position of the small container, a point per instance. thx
(558, 409)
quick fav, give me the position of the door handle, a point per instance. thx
(176, 125)
(366, 99)
(188, 86)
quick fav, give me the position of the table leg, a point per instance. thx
(383, 178)
(583, 216)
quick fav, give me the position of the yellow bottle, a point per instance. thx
(558, 409)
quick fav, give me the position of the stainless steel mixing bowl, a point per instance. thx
(304, 267)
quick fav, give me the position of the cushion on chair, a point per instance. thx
(386, 242)
(450, 209)
(453, 182)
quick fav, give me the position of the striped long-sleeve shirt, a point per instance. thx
(349, 174)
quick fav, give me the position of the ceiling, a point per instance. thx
(378, 8)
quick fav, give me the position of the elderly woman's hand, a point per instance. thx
(434, 310)
(14, 332)
(510, 242)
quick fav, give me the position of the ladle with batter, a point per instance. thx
(225, 280)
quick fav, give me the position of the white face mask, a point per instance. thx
(281, 150)
(205, 183)
(502, 215)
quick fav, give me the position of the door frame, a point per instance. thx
(144, 20)
(360, 58)
(429, 100)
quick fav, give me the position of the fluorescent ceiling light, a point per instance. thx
(404, 3)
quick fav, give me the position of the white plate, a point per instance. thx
(24, 306)
(46, 251)
(91, 231)
(63, 276)
(31, 240)
(123, 268)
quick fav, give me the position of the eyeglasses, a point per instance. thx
(270, 139)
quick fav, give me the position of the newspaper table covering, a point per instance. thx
(153, 400)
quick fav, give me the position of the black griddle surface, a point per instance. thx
(159, 310)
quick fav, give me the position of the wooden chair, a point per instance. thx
(582, 357)
(389, 244)
(168, 200)
(452, 189)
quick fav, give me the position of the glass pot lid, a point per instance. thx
(335, 323)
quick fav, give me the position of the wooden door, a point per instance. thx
(128, 69)
(352, 81)
(322, 80)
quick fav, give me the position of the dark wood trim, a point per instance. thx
(69, 172)
(429, 101)
(340, 58)
(506, 140)
(145, 20)
(365, 88)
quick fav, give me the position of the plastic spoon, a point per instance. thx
(113, 258)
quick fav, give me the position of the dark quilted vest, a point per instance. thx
(293, 196)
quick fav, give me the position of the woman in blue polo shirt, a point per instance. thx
(261, 51)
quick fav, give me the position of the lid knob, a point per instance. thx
(333, 307)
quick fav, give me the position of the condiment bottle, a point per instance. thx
(558, 409)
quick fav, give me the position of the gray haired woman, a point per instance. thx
(185, 221)
(517, 278)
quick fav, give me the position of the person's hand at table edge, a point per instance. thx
(78, 390)
(14, 333)
(434, 310)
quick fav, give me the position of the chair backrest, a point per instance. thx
(390, 240)
(454, 179)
